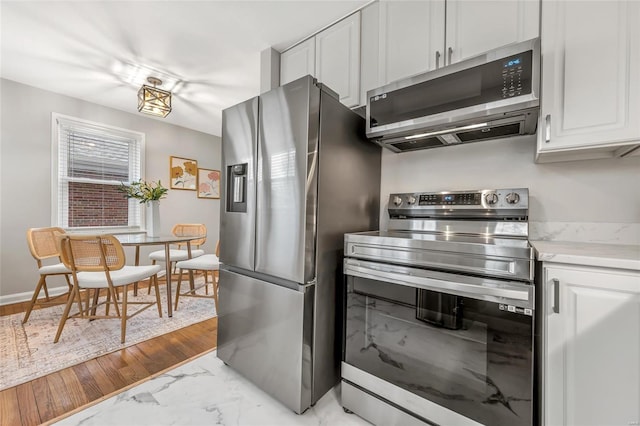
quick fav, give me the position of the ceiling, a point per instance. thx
(206, 52)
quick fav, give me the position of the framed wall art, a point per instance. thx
(183, 173)
(208, 183)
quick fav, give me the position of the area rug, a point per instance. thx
(27, 350)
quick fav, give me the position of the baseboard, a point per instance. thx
(26, 296)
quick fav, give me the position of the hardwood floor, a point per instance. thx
(48, 397)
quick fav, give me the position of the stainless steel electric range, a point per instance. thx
(439, 312)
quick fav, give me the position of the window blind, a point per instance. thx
(92, 161)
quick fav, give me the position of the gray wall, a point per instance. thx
(25, 173)
(606, 191)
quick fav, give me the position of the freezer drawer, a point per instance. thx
(264, 333)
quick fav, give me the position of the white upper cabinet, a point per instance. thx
(338, 59)
(298, 61)
(590, 80)
(591, 358)
(369, 50)
(332, 56)
(404, 38)
(400, 39)
(411, 36)
(474, 27)
(391, 40)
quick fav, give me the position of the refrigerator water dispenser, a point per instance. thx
(237, 177)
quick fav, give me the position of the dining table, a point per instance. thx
(139, 240)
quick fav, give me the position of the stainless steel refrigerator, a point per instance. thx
(298, 173)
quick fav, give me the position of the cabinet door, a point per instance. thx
(411, 37)
(474, 27)
(591, 79)
(298, 61)
(338, 59)
(369, 50)
(592, 346)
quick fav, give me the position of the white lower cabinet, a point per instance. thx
(591, 346)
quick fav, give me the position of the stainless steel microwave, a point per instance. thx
(493, 95)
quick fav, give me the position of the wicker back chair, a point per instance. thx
(98, 262)
(204, 263)
(190, 230)
(43, 245)
(176, 255)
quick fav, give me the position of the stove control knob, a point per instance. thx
(491, 198)
(411, 200)
(512, 198)
(397, 201)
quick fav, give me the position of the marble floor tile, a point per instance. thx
(206, 392)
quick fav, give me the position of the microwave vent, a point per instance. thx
(518, 125)
(490, 132)
(418, 144)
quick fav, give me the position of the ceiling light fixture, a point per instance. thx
(152, 100)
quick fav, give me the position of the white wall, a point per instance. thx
(606, 191)
(25, 172)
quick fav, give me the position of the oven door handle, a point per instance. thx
(517, 294)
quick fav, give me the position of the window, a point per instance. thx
(90, 160)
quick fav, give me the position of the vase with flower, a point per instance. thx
(150, 195)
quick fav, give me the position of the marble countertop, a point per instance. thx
(623, 256)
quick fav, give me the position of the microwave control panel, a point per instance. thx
(512, 77)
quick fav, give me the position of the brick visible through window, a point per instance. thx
(96, 205)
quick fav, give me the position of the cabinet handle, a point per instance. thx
(437, 59)
(556, 296)
(547, 129)
(450, 51)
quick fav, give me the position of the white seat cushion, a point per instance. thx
(175, 255)
(206, 262)
(58, 268)
(127, 275)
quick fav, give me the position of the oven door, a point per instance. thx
(462, 343)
